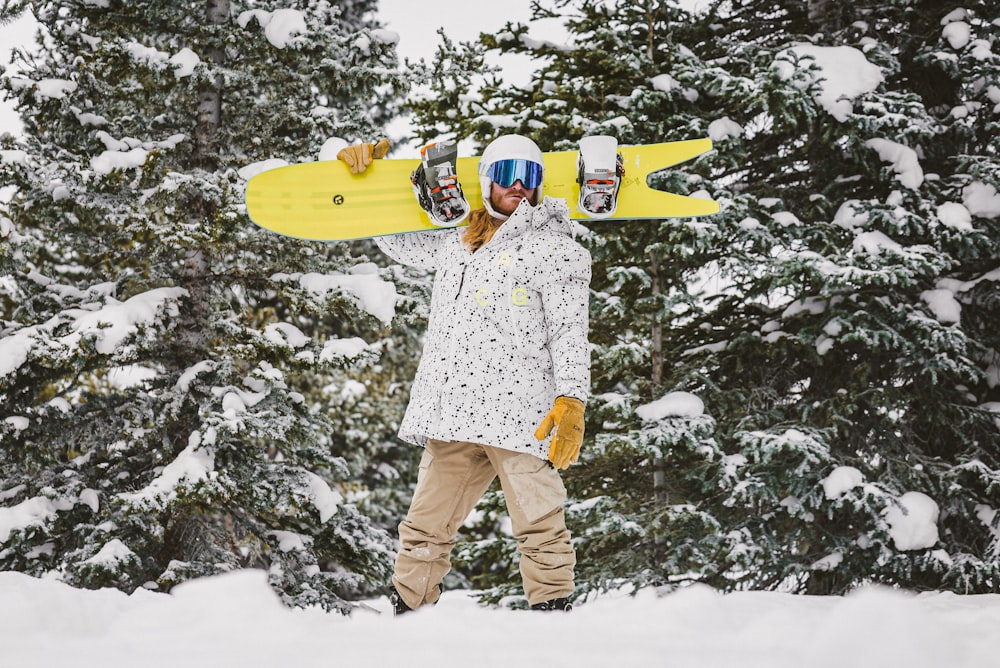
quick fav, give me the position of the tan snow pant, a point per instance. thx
(453, 477)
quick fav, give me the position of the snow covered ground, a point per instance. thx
(235, 620)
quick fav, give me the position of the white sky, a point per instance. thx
(417, 24)
(12, 35)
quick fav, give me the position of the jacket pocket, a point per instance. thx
(425, 463)
(534, 487)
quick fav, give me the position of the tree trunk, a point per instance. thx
(656, 362)
(210, 96)
(193, 335)
(656, 330)
(185, 533)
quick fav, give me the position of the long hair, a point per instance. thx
(480, 229)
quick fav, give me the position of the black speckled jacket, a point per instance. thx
(507, 332)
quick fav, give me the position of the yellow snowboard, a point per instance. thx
(323, 201)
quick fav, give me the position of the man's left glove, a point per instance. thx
(359, 156)
(566, 417)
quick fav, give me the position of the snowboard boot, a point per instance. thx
(600, 169)
(561, 604)
(435, 183)
(399, 606)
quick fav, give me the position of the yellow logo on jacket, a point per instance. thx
(518, 297)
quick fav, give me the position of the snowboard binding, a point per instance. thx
(435, 183)
(600, 169)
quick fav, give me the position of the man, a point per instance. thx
(505, 364)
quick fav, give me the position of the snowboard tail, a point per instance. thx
(323, 201)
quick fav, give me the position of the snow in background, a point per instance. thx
(911, 520)
(415, 23)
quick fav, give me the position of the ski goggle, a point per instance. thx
(505, 172)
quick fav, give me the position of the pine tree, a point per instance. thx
(876, 234)
(833, 318)
(164, 360)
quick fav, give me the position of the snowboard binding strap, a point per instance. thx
(436, 186)
(600, 169)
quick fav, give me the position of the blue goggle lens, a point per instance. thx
(505, 172)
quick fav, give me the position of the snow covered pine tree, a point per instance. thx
(162, 360)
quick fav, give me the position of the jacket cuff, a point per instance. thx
(579, 395)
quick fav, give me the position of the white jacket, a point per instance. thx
(507, 332)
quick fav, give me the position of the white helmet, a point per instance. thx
(514, 148)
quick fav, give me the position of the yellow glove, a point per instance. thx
(359, 156)
(567, 418)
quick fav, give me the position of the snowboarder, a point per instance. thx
(506, 364)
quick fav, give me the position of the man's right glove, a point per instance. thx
(359, 156)
(567, 418)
